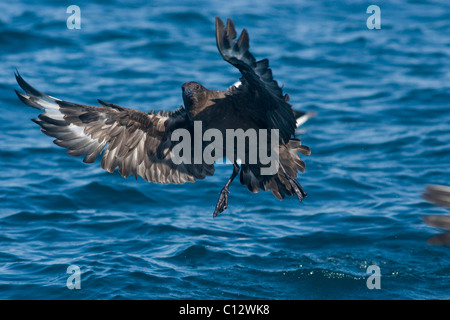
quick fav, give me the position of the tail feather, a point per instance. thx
(283, 182)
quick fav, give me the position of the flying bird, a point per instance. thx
(140, 143)
(440, 196)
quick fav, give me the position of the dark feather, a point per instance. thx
(257, 79)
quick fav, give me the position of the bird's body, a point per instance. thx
(141, 144)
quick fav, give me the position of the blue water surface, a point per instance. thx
(381, 134)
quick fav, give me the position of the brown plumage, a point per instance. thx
(139, 143)
(438, 195)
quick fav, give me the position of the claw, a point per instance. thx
(222, 203)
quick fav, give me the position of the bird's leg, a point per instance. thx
(298, 189)
(222, 203)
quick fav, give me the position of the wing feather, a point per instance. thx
(257, 80)
(135, 142)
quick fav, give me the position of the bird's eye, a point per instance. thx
(197, 87)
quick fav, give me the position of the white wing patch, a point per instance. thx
(301, 120)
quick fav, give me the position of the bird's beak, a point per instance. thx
(187, 92)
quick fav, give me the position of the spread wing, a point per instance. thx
(266, 97)
(136, 142)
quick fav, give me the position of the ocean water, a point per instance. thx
(381, 134)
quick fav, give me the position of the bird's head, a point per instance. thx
(194, 96)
